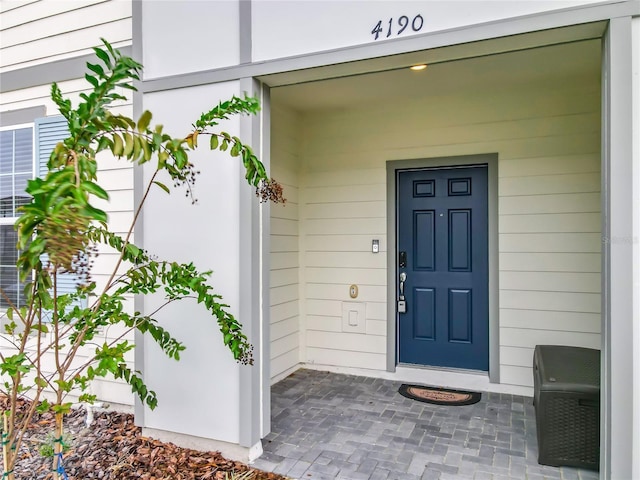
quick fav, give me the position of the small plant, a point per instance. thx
(48, 446)
(58, 231)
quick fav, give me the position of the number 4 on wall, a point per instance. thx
(377, 29)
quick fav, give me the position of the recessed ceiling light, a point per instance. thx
(417, 68)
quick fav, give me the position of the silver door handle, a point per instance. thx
(403, 278)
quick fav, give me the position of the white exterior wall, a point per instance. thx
(207, 38)
(40, 31)
(284, 289)
(548, 142)
(283, 28)
(207, 234)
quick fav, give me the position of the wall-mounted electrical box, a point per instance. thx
(353, 317)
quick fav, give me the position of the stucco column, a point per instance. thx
(635, 100)
(254, 285)
(620, 247)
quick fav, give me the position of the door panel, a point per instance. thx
(425, 301)
(424, 230)
(442, 230)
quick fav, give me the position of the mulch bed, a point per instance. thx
(113, 448)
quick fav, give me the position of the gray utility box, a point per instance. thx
(567, 404)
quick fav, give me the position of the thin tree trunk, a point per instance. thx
(6, 455)
(58, 447)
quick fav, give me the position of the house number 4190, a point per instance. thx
(397, 27)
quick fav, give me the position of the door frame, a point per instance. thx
(491, 160)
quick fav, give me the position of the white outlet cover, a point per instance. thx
(353, 317)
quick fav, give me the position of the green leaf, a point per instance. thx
(180, 158)
(136, 147)
(95, 213)
(102, 55)
(132, 249)
(214, 142)
(95, 68)
(118, 146)
(65, 407)
(146, 150)
(235, 150)
(162, 159)
(104, 143)
(144, 121)
(43, 407)
(92, 80)
(95, 189)
(162, 186)
(41, 328)
(128, 144)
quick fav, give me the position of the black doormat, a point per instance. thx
(439, 396)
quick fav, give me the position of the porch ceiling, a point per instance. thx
(562, 62)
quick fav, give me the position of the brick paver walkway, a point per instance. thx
(331, 426)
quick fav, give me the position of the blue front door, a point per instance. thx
(443, 254)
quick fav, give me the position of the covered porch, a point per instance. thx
(339, 135)
(528, 110)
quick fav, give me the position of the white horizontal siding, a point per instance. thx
(549, 165)
(366, 293)
(548, 143)
(41, 96)
(550, 262)
(351, 342)
(548, 184)
(587, 322)
(365, 276)
(285, 261)
(117, 178)
(39, 32)
(556, 203)
(550, 300)
(516, 356)
(551, 242)
(550, 223)
(551, 281)
(514, 337)
(516, 375)
(345, 358)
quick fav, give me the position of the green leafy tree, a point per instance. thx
(58, 232)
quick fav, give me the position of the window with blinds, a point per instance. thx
(16, 169)
(24, 154)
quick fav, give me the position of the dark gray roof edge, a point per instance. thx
(49, 72)
(21, 115)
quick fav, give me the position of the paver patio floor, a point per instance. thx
(327, 426)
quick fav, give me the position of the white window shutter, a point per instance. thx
(48, 132)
